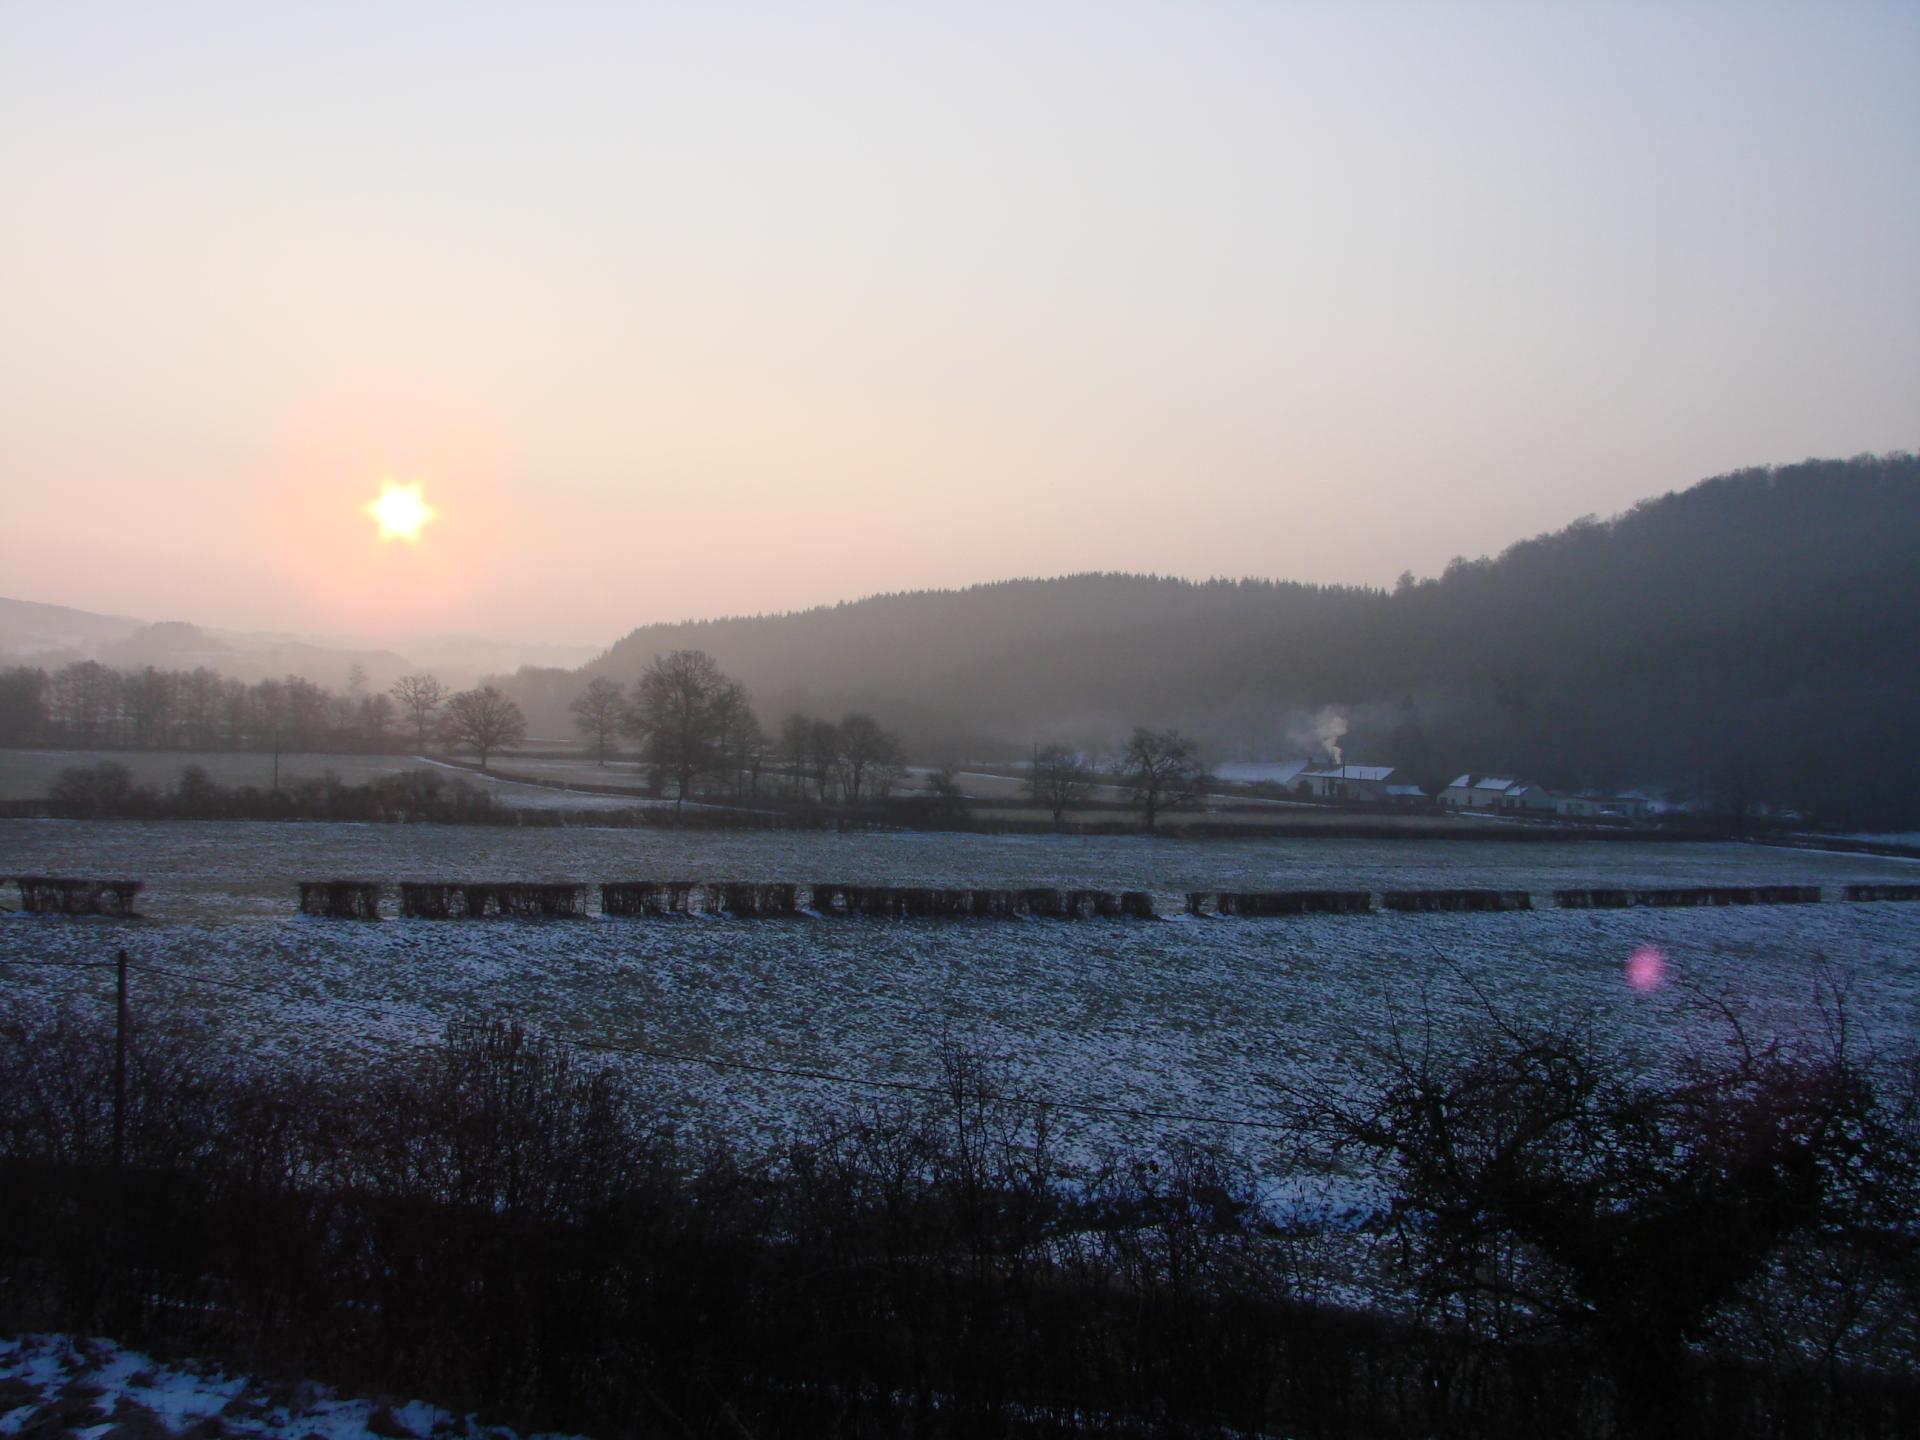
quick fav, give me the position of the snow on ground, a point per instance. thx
(1228, 1019)
(55, 1385)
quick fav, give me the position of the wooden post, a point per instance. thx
(120, 1063)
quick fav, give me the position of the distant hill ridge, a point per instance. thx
(1760, 628)
(50, 636)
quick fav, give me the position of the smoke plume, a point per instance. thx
(1328, 727)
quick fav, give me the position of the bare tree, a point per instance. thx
(307, 707)
(823, 757)
(343, 718)
(736, 731)
(795, 748)
(753, 751)
(1545, 1181)
(673, 715)
(948, 800)
(1059, 779)
(869, 758)
(484, 720)
(270, 719)
(598, 713)
(85, 700)
(1163, 769)
(420, 696)
(375, 719)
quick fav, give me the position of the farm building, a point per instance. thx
(1476, 792)
(1603, 807)
(1525, 799)
(1284, 773)
(1356, 782)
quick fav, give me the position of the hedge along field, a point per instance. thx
(1220, 1017)
(227, 869)
(27, 774)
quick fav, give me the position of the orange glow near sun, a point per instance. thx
(401, 512)
(388, 503)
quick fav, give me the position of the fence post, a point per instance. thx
(120, 1063)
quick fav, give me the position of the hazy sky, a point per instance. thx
(712, 308)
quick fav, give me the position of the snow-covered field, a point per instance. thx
(55, 1385)
(1220, 1018)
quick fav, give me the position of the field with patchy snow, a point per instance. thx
(56, 1385)
(1220, 1017)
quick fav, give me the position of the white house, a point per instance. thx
(1465, 792)
(1353, 782)
(1526, 799)
(1602, 807)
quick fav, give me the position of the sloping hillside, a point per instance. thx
(29, 629)
(1759, 632)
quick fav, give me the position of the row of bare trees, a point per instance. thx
(1158, 769)
(694, 725)
(696, 729)
(90, 704)
(854, 761)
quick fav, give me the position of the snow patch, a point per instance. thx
(83, 1385)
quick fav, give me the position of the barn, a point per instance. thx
(1352, 782)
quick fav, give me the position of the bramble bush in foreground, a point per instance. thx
(1574, 1244)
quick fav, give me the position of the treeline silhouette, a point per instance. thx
(87, 704)
(1567, 1245)
(1752, 640)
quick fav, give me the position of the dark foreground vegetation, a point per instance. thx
(1567, 1244)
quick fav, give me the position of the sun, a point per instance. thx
(401, 511)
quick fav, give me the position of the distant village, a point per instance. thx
(1466, 793)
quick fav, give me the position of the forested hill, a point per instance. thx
(1760, 631)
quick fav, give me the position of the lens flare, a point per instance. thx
(1646, 968)
(401, 512)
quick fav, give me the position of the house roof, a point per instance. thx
(1261, 772)
(1494, 782)
(1352, 772)
(1461, 782)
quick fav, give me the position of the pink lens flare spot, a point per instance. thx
(1646, 968)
